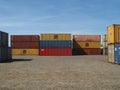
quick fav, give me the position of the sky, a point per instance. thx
(58, 16)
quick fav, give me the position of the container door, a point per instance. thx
(111, 57)
(117, 53)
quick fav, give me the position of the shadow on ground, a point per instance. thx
(16, 60)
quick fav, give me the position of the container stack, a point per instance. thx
(86, 45)
(105, 44)
(25, 44)
(55, 45)
(113, 32)
(5, 51)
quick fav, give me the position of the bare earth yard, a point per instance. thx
(59, 73)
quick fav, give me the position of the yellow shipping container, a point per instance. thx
(113, 33)
(25, 51)
(55, 37)
(86, 45)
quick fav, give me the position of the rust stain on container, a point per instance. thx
(87, 38)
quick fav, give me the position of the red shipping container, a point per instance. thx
(22, 45)
(87, 38)
(56, 51)
(22, 38)
(86, 51)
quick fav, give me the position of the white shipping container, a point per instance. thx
(104, 38)
(105, 44)
(105, 51)
(111, 54)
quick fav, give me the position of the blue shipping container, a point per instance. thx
(56, 44)
(117, 53)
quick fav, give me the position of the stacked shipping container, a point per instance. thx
(25, 44)
(55, 45)
(113, 32)
(86, 45)
(105, 44)
(5, 51)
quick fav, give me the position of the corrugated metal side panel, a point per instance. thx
(3, 39)
(105, 44)
(87, 38)
(55, 36)
(25, 51)
(111, 56)
(117, 53)
(104, 38)
(32, 45)
(9, 53)
(86, 51)
(55, 44)
(117, 34)
(55, 51)
(3, 54)
(0, 39)
(86, 44)
(111, 34)
(105, 51)
(19, 38)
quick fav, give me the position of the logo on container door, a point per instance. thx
(42, 49)
(55, 36)
(24, 52)
(86, 44)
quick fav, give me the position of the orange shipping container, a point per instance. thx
(87, 38)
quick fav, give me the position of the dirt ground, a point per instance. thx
(59, 73)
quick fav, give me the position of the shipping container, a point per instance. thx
(113, 33)
(86, 44)
(22, 45)
(9, 54)
(25, 38)
(86, 51)
(105, 51)
(111, 54)
(117, 53)
(56, 51)
(25, 51)
(105, 44)
(3, 54)
(55, 44)
(87, 38)
(104, 38)
(3, 39)
(55, 36)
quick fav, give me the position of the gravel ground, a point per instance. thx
(59, 73)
